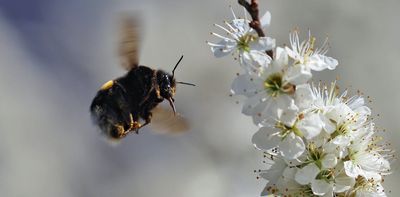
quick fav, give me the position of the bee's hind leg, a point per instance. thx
(134, 124)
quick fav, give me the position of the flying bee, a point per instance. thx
(122, 104)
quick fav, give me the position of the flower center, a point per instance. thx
(365, 184)
(286, 130)
(274, 85)
(327, 175)
(304, 190)
(315, 155)
(243, 43)
(340, 130)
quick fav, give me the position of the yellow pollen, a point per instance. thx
(107, 85)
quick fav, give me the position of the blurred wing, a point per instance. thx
(165, 122)
(129, 42)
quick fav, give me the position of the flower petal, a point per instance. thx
(259, 58)
(298, 74)
(262, 44)
(293, 54)
(266, 19)
(306, 174)
(310, 126)
(304, 96)
(246, 85)
(329, 161)
(274, 172)
(351, 169)
(343, 183)
(327, 124)
(319, 62)
(255, 104)
(223, 48)
(281, 56)
(321, 187)
(264, 139)
(292, 146)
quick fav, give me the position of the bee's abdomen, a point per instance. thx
(110, 110)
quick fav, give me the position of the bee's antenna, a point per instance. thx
(173, 71)
(185, 83)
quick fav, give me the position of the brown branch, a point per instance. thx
(252, 9)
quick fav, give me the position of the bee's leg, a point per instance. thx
(147, 117)
(134, 124)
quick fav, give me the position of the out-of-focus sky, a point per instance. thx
(54, 55)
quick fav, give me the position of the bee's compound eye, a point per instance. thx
(107, 85)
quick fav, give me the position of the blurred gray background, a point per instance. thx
(55, 54)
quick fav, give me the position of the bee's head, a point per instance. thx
(167, 84)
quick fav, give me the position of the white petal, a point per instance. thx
(342, 140)
(320, 139)
(373, 161)
(298, 74)
(292, 146)
(265, 190)
(330, 147)
(262, 44)
(351, 169)
(246, 85)
(343, 183)
(293, 54)
(264, 139)
(321, 187)
(356, 103)
(329, 161)
(363, 111)
(266, 19)
(327, 124)
(274, 172)
(254, 104)
(281, 56)
(306, 174)
(289, 173)
(304, 96)
(289, 116)
(259, 58)
(223, 48)
(254, 60)
(310, 126)
(272, 109)
(319, 62)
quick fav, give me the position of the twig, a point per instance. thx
(252, 9)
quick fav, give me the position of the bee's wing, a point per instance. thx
(129, 42)
(164, 121)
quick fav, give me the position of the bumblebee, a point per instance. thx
(123, 103)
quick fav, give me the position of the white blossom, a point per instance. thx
(325, 182)
(307, 57)
(242, 39)
(320, 142)
(269, 92)
(365, 158)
